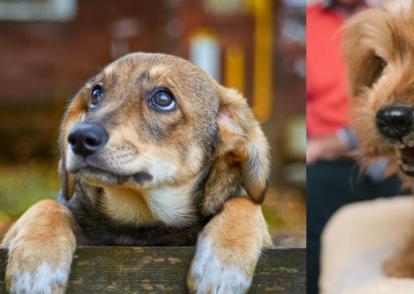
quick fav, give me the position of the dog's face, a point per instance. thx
(149, 121)
(379, 47)
(140, 121)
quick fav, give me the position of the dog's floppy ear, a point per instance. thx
(365, 60)
(73, 114)
(242, 154)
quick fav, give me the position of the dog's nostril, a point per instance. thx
(395, 122)
(72, 139)
(92, 141)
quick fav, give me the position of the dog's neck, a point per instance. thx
(171, 205)
(166, 215)
(174, 204)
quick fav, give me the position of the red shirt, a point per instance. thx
(327, 107)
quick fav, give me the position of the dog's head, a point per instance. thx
(379, 50)
(149, 121)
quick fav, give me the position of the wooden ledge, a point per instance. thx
(164, 270)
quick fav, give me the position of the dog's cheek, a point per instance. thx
(364, 123)
(166, 164)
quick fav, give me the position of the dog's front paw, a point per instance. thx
(228, 249)
(211, 274)
(31, 270)
(40, 250)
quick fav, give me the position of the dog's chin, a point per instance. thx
(405, 154)
(101, 177)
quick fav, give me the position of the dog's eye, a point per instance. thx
(96, 95)
(162, 100)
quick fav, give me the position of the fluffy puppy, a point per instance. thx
(379, 49)
(153, 152)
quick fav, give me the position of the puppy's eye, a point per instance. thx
(382, 64)
(96, 96)
(162, 100)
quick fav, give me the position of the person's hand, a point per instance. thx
(325, 148)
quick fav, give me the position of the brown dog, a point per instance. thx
(379, 47)
(153, 152)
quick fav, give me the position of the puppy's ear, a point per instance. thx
(365, 59)
(242, 154)
(66, 178)
(73, 114)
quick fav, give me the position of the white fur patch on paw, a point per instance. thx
(210, 275)
(44, 280)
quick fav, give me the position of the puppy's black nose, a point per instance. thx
(86, 139)
(395, 122)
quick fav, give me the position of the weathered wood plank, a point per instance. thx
(164, 269)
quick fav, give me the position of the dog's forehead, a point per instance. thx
(144, 71)
(155, 65)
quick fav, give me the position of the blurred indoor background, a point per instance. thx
(50, 48)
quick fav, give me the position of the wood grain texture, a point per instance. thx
(164, 270)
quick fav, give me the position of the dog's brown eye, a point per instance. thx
(96, 95)
(162, 100)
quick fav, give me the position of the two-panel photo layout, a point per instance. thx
(207, 146)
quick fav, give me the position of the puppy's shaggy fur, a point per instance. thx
(153, 152)
(379, 49)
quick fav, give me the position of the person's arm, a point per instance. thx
(331, 147)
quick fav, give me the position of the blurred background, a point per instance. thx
(50, 48)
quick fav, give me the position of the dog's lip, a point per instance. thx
(89, 170)
(406, 156)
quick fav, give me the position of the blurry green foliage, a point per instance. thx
(22, 185)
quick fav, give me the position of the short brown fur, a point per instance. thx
(379, 50)
(166, 174)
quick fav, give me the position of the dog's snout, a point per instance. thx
(395, 122)
(86, 139)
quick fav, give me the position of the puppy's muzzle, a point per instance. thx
(395, 122)
(86, 139)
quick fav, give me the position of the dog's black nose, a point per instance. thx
(86, 139)
(395, 122)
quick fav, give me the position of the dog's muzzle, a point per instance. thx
(86, 139)
(396, 124)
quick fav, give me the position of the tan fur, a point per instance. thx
(377, 36)
(46, 223)
(127, 207)
(230, 232)
(213, 133)
(231, 229)
(379, 50)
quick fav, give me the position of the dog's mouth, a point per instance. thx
(102, 176)
(406, 156)
(94, 170)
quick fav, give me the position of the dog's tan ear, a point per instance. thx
(66, 179)
(75, 110)
(242, 154)
(365, 60)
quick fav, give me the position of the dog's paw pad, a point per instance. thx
(209, 274)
